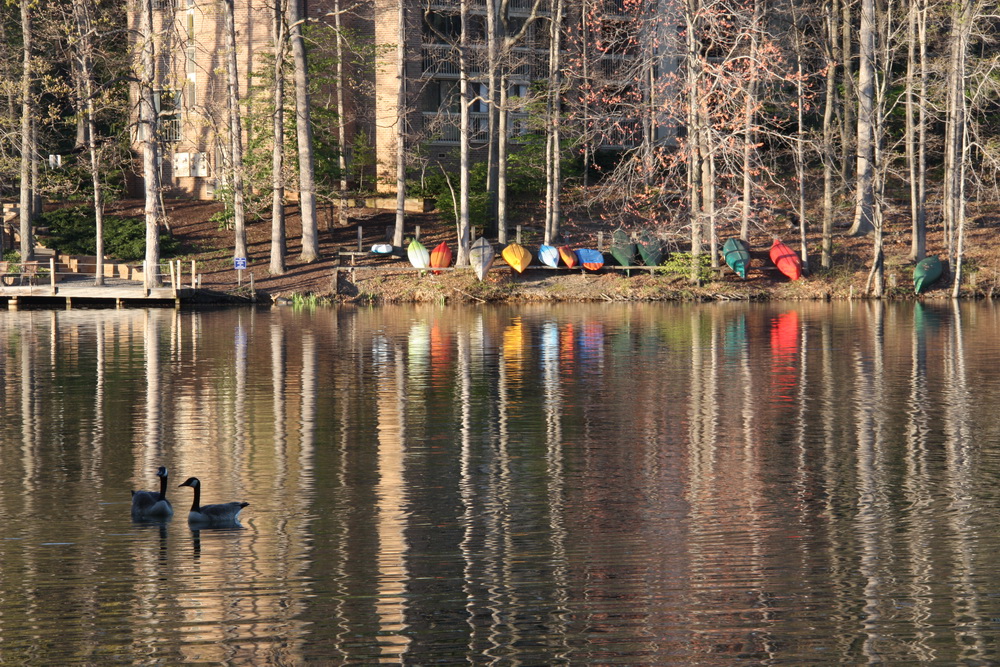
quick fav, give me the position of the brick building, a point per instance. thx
(192, 88)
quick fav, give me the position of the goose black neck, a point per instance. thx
(197, 499)
(163, 488)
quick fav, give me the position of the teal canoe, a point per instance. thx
(736, 254)
(622, 248)
(650, 248)
(926, 272)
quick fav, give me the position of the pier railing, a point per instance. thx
(76, 277)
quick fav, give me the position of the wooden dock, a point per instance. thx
(43, 283)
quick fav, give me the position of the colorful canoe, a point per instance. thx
(591, 259)
(786, 260)
(650, 248)
(622, 248)
(440, 256)
(418, 255)
(382, 249)
(548, 255)
(568, 256)
(517, 256)
(926, 272)
(481, 257)
(736, 254)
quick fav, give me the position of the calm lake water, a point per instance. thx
(608, 484)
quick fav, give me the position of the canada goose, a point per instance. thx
(220, 514)
(152, 504)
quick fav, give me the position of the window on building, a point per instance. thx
(163, 4)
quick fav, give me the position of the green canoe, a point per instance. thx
(650, 248)
(736, 253)
(622, 248)
(927, 271)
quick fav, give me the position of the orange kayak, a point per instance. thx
(517, 256)
(786, 260)
(568, 256)
(440, 256)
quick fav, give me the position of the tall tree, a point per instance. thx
(464, 225)
(303, 135)
(830, 15)
(956, 137)
(84, 27)
(865, 192)
(27, 136)
(148, 128)
(341, 53)
(235, 133)
(278, 243)
(553, 129)
(397, 235)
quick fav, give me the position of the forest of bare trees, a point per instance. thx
(696, 119)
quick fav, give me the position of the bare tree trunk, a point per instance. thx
(694, 124)
(36, 189)
(554, 152)
(800, 144)
(848, 127)
(149, 125)
(749, 112)
(397, 235)
(865, 199)
(341, 116)
(279, 246)
(826, 259)
(921, 231)
(502, 122)
(464, 231)
(493, 139)
(708, 183)
(235, 133)
(86, 73)
(910, 138)
(585, 66)
(956, 139)
(303, 135)
(27, 145)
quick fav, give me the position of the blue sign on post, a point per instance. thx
(240, 263)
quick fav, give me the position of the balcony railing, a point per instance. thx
(441, 61)
(515, 6)
(445, 126)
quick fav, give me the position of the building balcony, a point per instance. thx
(445, 126)
(516, 7)
(441, 61)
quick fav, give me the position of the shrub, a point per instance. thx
(71, 231)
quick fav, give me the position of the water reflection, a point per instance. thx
(542, 485)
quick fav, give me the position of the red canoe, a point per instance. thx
(568, 256)
(786, 260)
(440, 256)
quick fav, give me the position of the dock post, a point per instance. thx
(69, 303)
(192, 273)
(600, 241)
(416, 234)
(52, 273)
(360, 232)
(518, 236)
